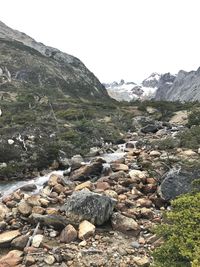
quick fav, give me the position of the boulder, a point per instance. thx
(176, 182)
(76, 161)
(3, 211)
(24, 208)
(123, 224)
(86, 229)
(7, 237)
(119, 167)
(54, 179)
(28, 187)
(20, 242)
(143, 262)
(150, 128)
(49, 259)
(137, 175)
(87, 172)
(86, 205)
(68, 234)
(37, 240)
(87, 184)
(12, 259)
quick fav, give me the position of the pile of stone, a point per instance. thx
(90, 217)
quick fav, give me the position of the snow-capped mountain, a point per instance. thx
(127, 91)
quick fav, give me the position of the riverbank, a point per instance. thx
(99, 213)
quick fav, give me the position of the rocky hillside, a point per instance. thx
(185, 86)
(26, 63)
(128, 91)
(42, 90)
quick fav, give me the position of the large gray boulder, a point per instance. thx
(85, 205)
(175, 183)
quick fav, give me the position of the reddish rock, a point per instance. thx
(102, 186)
(68, 234)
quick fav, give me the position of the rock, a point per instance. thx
(12, 259)
(29, 260)
(111, 193)
(189, 153)
(87, 172)
(3, 211)
(24, 208)
(123, 224)
(54, 179)
(85, 205)
(37, 240)
(150, 128)
(135, 244)
(177, 182)
(119, 167)
(33, 200)
(102, 185)
(68, 234)
(155, 153)
(146, 213)
(137, 175)
(59, 188)
(49, 259)
(81, 186)
(28, 187)
(76, 161)
(198, 150)
(58, 222)
(11, 204)
(3, 225)
(94, 151)
(10, 141)
(38, 210)
(143, 262)
(7, 237)
(117, 175)
(144, 202)
(44, 202)
(20, 242)
(86, 229)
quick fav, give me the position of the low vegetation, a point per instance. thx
(181, 234)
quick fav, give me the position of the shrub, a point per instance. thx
(190, 138)
(181, 234)
(194, 118)
(167, 143)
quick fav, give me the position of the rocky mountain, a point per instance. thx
(45, 97)
(26, 63)
(127, 91)
(185, 86)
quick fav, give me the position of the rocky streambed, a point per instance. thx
(101, 213)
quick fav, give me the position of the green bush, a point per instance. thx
(190, 138)
(167, 143)
(181, 233)
(194, 118)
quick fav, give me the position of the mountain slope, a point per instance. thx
(47, 108)
(185, 86)
(25, 60)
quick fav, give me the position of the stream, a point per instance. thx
(8, 187)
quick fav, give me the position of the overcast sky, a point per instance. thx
(115, 39)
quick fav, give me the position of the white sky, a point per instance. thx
(115, 39)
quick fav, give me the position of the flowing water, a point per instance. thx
(8, 187)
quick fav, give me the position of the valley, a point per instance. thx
(86, 179)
